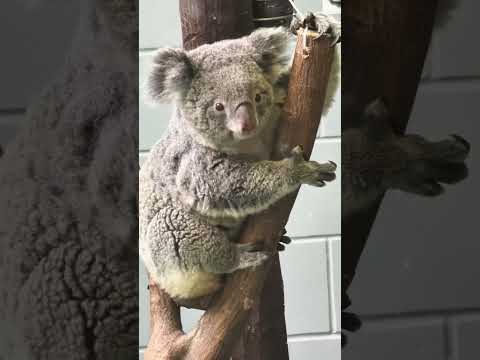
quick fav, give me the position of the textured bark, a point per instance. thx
(207, 21)
(223, 323)
(385, 43)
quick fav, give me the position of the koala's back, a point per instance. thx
(168, 229)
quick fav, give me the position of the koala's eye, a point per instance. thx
(258, 98)
(219, 107)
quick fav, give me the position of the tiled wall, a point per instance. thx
(417, 284)
(311, 264)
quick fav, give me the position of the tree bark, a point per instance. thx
(265, 335)
(385, 43)
(207, 21)
(244, 294)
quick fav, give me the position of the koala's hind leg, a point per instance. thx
(222, 256)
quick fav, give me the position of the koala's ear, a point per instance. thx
(171, 75)
(269, 46)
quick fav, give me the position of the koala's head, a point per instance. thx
(224, 91)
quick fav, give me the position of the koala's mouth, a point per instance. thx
(244, 135)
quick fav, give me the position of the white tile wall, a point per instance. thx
(417, 281)
(398, 339)
(311, 264)
(305, 266)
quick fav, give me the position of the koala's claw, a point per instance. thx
(322, 23)
(283, 240)
(312, 172)
(462, 141)
(351, 323)
(320, 173)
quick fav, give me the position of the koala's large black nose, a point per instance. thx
(244, 119)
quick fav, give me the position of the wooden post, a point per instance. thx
(384, 43)
(207, 21)
(224, 322)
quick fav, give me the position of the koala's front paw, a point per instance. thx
(434, 164)
(311, 172)
(322, 23)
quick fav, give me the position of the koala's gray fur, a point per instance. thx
(204, 177)
(376, 159)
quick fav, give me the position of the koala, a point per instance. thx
(212, 167)
(376, 159)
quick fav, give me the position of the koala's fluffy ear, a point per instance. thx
(171, 75)
(269, 50)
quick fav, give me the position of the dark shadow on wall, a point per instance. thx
(68, 180)
(416, 285)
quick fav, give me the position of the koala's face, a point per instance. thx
(229, 103)
(224, 91)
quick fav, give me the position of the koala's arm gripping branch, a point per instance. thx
(257, 183)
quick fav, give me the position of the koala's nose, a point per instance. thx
(244, 118)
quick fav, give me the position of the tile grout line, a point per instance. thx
(13, 111)
(448, 339)
(328, 261)
(445, 84)
(312, 336)
(331, 286)
(418, 315)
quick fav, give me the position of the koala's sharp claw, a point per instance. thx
(461, 140)
(350, 321)
(432, 188)
(280, 247)
(285, 239)
(334, 164)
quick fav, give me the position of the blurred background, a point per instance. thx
(417, 284)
